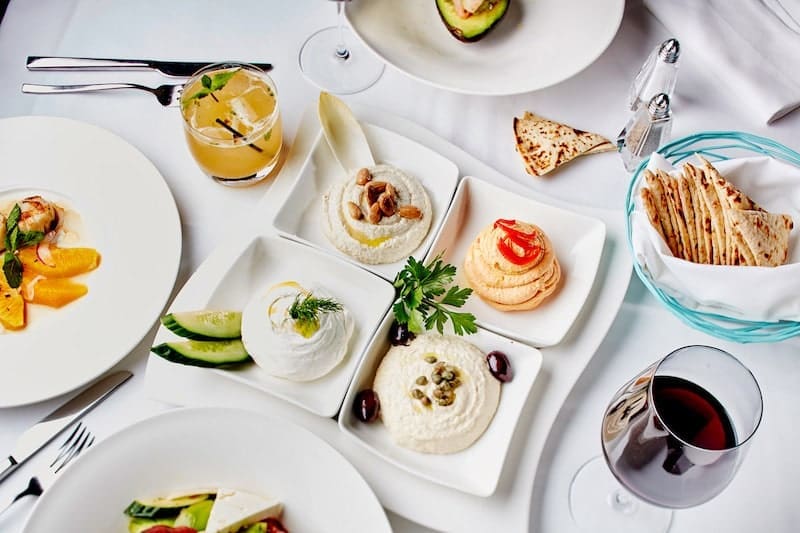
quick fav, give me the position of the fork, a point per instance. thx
(80, 439)
(167, 95)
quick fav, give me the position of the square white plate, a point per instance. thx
(475, 470)
(300, 217)
(578, 241)
(266, 261)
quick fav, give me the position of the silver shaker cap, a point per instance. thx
(658, 108)
(670, 50)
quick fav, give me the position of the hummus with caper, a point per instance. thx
(436, 394)
(381, 215)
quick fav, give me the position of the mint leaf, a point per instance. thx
(12, 237)
(221, 79)
(12, 268)
(13, 217)
(28, 238)
(205, 81)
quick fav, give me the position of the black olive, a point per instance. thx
(499, 366)
(366, 406)
(400, 334)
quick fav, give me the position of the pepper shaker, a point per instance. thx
(658, 74)
(649, 127)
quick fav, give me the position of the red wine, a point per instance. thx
(667, 446)
(692, 414)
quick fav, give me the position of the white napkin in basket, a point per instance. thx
(751, 293)
(751, 46)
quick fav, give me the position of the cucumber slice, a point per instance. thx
(205, 325)
(195, 516)
(209, 354)
(139, 525)
(162, 507)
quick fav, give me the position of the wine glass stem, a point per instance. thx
(342, 52)
(621, 502)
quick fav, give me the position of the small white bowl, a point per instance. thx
(577, 239)
(475, 470)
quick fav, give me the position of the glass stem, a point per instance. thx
(342, 52)
(621, 502)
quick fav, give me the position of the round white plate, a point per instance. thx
(128, 215)
(537, 44)
(191, 448)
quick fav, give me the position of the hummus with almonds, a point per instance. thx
(381, 215)
(436, 394)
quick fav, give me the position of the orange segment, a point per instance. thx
(57, 292)
(66, 261)
(12, 309)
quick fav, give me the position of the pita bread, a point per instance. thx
(709, 193)
(766, 234)
(676, 212)
(652, 211)
(660, 197)
(544, 145)
(685, 196)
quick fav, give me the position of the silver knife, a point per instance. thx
(40, 434)
(178, 69)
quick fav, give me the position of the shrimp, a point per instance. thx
(37, 214)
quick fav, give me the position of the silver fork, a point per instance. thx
(167, 95)
(80, 439)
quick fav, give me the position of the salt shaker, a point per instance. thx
(658, 74)
(649, 127)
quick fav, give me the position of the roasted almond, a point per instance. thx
(409, 211)
(363, 176)
(355, 211)
(375, 213)
(390, 190)
(374, 189)
(387, 204)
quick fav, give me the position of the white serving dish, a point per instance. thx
(577, 239)
(266, 261)
(476, 469)
(300, 216)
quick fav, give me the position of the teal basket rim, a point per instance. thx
(718, 325)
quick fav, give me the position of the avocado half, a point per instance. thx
(478, 25)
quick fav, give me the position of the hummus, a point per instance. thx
(511, 265)
(291, 349)
(392, 235)
(436, 394)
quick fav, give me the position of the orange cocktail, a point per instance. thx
(232, 122)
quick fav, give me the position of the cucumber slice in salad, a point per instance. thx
(205, 325)
(162, 507)
(209, 354)
(139, 525)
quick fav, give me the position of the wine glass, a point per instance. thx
(335, 61)
(673, 437)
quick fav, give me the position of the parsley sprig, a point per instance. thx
(14, 241)
(307, 307)
(424, 297)
(211, 84)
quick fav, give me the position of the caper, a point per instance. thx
(422, 380)
(416, 393)
(448, 375)
(430, 359)
(438, 393)
(425, 401)
(436, 378)
(455, 383)
(445, 385)
(447, 399)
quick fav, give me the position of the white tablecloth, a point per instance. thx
(761, 496)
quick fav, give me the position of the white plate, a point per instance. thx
(129, 216)
(476, 469)
(577, 239)
(537, 44)
(300, 217)
(211, 448)
(265, 261)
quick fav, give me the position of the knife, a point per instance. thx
(178, 69)
(40, 434)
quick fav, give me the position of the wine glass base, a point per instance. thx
(320, 64)
(598, 502)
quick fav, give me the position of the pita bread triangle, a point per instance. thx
(766, 234)
(544, 145)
